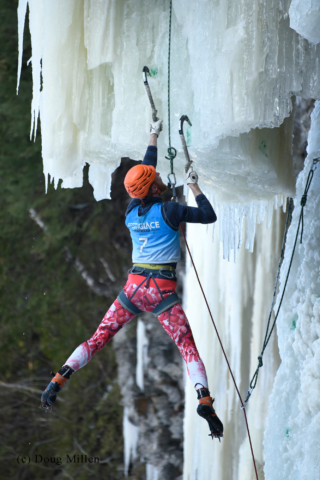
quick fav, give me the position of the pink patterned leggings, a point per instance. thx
(173, 320)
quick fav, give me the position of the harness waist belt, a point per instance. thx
(162, 272)
(151, 266)
(167, 303)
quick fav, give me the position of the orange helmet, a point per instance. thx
(139, 180)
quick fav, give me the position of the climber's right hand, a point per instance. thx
(156, 127)
(192, 177)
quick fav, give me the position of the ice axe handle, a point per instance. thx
(146, 71)
(183, 141)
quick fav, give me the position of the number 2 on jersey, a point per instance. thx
(144, 240)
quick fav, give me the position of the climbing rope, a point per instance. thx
(172, 152)
(305, 194)
(169, 58)
(268, 334)
(223, 351)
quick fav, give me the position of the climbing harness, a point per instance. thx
(268, 334)
(150, 274)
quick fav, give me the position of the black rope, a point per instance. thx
(305, 195)
(268, 334)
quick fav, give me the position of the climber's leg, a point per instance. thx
(176, 324)
(115, 318)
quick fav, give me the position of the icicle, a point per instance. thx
(22, 11)
(130, 435)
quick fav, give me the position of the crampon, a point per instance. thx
(59, 380)
(206, 411)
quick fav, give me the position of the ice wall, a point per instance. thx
(239, 295)
(234, 67)
(305, 18)
(292, 436)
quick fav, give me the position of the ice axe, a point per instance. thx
(146, 72)
(183, 141)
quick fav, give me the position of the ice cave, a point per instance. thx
(240, 70)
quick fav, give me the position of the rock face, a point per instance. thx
(301, 125)
(158, 409)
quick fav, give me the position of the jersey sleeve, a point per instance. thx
(151, 156)
(173, 213)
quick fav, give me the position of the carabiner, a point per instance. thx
(172, 183)
(173, 186)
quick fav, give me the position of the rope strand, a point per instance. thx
(268, 334)
(172, 152)
(169, 58)
(224, 353)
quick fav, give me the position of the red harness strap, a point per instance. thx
(163, 283)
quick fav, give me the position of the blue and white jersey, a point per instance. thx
(153, 240)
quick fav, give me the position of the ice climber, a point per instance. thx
(151, 285)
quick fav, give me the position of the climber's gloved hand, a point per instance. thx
(156, 127)
(192, 177)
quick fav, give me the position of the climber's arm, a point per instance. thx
(151, 155)
(174, 213)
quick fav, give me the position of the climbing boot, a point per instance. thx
(205, 410)
(59, 380)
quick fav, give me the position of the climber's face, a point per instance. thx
(162, 186)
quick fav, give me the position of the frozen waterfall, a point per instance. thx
(292, 436)
(87, 59)
(235, 66)
(239, 295)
